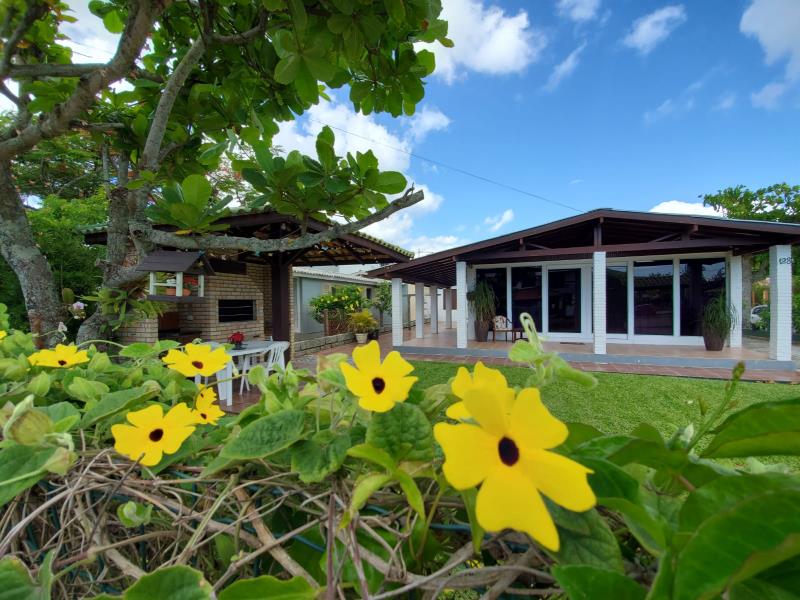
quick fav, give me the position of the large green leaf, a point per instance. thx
(758, 430)
(118, 401)
(586, 539)
(737, 543)
(267, 586)
(20, 468)
(404, 432)
(175, 583)
(16, 582)
(583, 582)
(265, 436)
(313, 461)
(196, 190)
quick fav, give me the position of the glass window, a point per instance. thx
(617, 299)
(496, 278)
(564, 300)
(701, 280)
(526, 294)
(652, 297)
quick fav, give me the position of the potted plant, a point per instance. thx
(362, 323)
(483, 300)
(718, 318)
(237, 339)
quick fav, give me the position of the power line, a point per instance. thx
(452, 168)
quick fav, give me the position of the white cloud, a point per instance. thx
(578, 10)
(496, 222)
(89, 40)
(425, 121)
(680, 207)
(680, 104)
(565, 68)
(487, 40)
(726, 101)
(769, 96)
(776, 25)
(649, 31)
(575, 181)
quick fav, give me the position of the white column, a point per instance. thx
(419, 302)
(780, 302)
(599, 301)
(735, 300)
(397, 312)
(434, 292)
(461, 302)
(448, 308)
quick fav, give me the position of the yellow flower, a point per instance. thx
(508, 454)
(379, 386)
(205, 411)
(197, 359)
(61, 357)
(2, 334)
(152, 434)
(484, 378)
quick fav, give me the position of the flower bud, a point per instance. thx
(27, 426)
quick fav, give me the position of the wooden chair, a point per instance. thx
(501, 324)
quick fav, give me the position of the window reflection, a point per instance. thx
(652, 297)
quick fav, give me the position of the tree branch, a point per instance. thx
(52, 70)
(145, 231)
(245, 36)
(35, 10)
(141, 17)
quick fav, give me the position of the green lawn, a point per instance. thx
(621, 402)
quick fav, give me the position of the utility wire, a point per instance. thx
(452, 168)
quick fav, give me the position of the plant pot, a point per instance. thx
(373, 335)
(361, 338)
(713, 340)
(481, 331)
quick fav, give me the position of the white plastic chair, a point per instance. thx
(273, 356)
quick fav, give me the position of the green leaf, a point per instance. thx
(267, 586)
(396, 10)
(20, 468)
(404, 432)
(411, 491)
(16, 582)
(299, 16)
(374, 455)
(582, 582)
(118, 401)
(266, 436)
(196, 190)
(470, 499)
(756, 533)
(287, 68)
(586, 539)
(365, 487)
(63, 414)
(86, 390)
(39, 385)
(314, 462)
(133, 514)
(390, 182)
(113, 22)
(759, 430)
(175, 583)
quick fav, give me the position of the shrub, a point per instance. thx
(363, 322)
(117, 472)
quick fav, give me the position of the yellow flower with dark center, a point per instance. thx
(197, 359)
(484, 377)
(508, 455)
(151, 433)
(379, 386)
(60, 357)
(205, 411)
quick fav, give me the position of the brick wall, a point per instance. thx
(143, 330)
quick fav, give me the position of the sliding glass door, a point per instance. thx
(652, 297)
(564, 306)
(526, 294)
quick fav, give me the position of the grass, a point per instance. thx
(621, 402)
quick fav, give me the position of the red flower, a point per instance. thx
(237, 337)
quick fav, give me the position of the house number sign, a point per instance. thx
(786, 260)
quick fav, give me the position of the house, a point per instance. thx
(609, 283)
(246, 291)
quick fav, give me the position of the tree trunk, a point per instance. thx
(18, 246)
(747, 290)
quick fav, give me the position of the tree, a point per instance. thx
(779, 202)
(382, 300)
(210, 83)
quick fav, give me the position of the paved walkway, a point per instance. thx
(385, 340)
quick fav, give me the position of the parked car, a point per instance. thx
(756, 312)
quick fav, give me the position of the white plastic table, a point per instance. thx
(225, 387)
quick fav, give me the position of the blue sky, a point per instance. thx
(625, 104)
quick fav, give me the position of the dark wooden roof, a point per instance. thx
(617, 232)
(175, 261)
(349, 249)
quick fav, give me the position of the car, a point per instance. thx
(756, 312)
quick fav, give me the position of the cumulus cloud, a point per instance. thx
(776, 25)
(427, 120)
(487, 40)
(578, 10)
(649, 31)
(564, 69)
(497, 221)
(679, 207)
